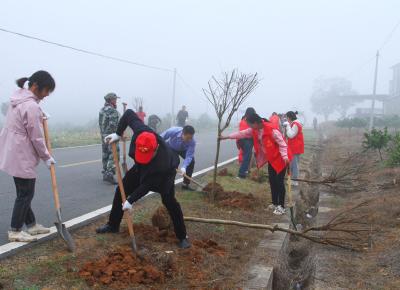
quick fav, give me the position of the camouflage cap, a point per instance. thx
(110, 96)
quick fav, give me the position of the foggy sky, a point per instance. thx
(289, 43)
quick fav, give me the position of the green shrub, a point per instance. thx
(376, 140)
(394, 151)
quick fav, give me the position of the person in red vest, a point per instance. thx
(294, 134)
(270, 147)
(245, 146)
(141, 114)
(275, 120)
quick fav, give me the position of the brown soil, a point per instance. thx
(233, 199)
(119, 269)
(161, 219)
(223, 172)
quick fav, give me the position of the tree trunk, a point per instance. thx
(212, 195)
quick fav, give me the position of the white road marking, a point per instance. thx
(80, 163)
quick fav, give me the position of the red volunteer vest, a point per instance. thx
(271, 148)
(296, 144)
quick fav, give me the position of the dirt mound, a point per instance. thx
(237, 200)
(210, 246)
(120, 269)
(223, 172)
(218, 188)
(161, 219)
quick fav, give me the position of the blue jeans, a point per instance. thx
(294, 166)
(247, 146)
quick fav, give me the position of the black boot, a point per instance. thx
(107, 229)
(184, 244)
(110, 179)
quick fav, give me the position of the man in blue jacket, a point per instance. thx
(181, 141)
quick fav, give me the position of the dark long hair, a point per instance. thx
(249, 111)
(255, 119)
(292, 115)
(41, 78)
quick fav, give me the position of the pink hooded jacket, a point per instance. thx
(22, 143)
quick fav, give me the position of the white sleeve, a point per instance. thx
(291, 132)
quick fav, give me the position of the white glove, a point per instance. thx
(126, 205)
(286, 123)
(183, 170)
(112, 138)
(49, 162)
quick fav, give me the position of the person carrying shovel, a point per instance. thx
(22, 146)
(270, 147)
(154, 170)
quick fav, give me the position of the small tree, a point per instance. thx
(376, 140)
(226, 96)
(394, 151)
(350, 123)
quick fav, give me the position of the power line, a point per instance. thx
(390, 35)
(187, 85)
(87, 51)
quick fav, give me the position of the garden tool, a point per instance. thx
(202, 186)
(123, 197)
(290, 198)
(61, 228)
(124, 164)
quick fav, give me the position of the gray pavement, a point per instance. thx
(80, 182)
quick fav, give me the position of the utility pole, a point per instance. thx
(173, 99)
(371, 120)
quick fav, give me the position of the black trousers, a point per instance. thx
(277, 184)
(167, 191)
(22, 212)
(189, 169)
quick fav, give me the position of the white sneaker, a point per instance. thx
(20, 237)
(271, 207)
(277, 211)
(37, 230)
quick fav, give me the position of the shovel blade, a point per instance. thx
(292, 218)
(133, 245)
(66, 236)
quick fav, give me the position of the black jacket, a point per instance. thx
(165, 163)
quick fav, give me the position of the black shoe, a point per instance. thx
(106, 229)
(187, 187)
(110, 179)
(184, 244)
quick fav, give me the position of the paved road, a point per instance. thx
(80, 182)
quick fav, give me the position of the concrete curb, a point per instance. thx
(12, 248)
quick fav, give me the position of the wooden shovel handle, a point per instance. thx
(52, 167)
(121, 188)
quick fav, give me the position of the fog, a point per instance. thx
(289, 43)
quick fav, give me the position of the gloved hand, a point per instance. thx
(126, 205)
(112, 138)
(49, 162)
(285, 124)
(287, 161)
(183, 170)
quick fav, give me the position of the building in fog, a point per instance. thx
(392, 105)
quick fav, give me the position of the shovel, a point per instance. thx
(290, 199)
(202, 186)
(61, 228)
(123, 197)
(124, 164)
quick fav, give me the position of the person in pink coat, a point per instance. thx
(22, 146)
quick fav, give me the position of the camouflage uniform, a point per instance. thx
(108, 123)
